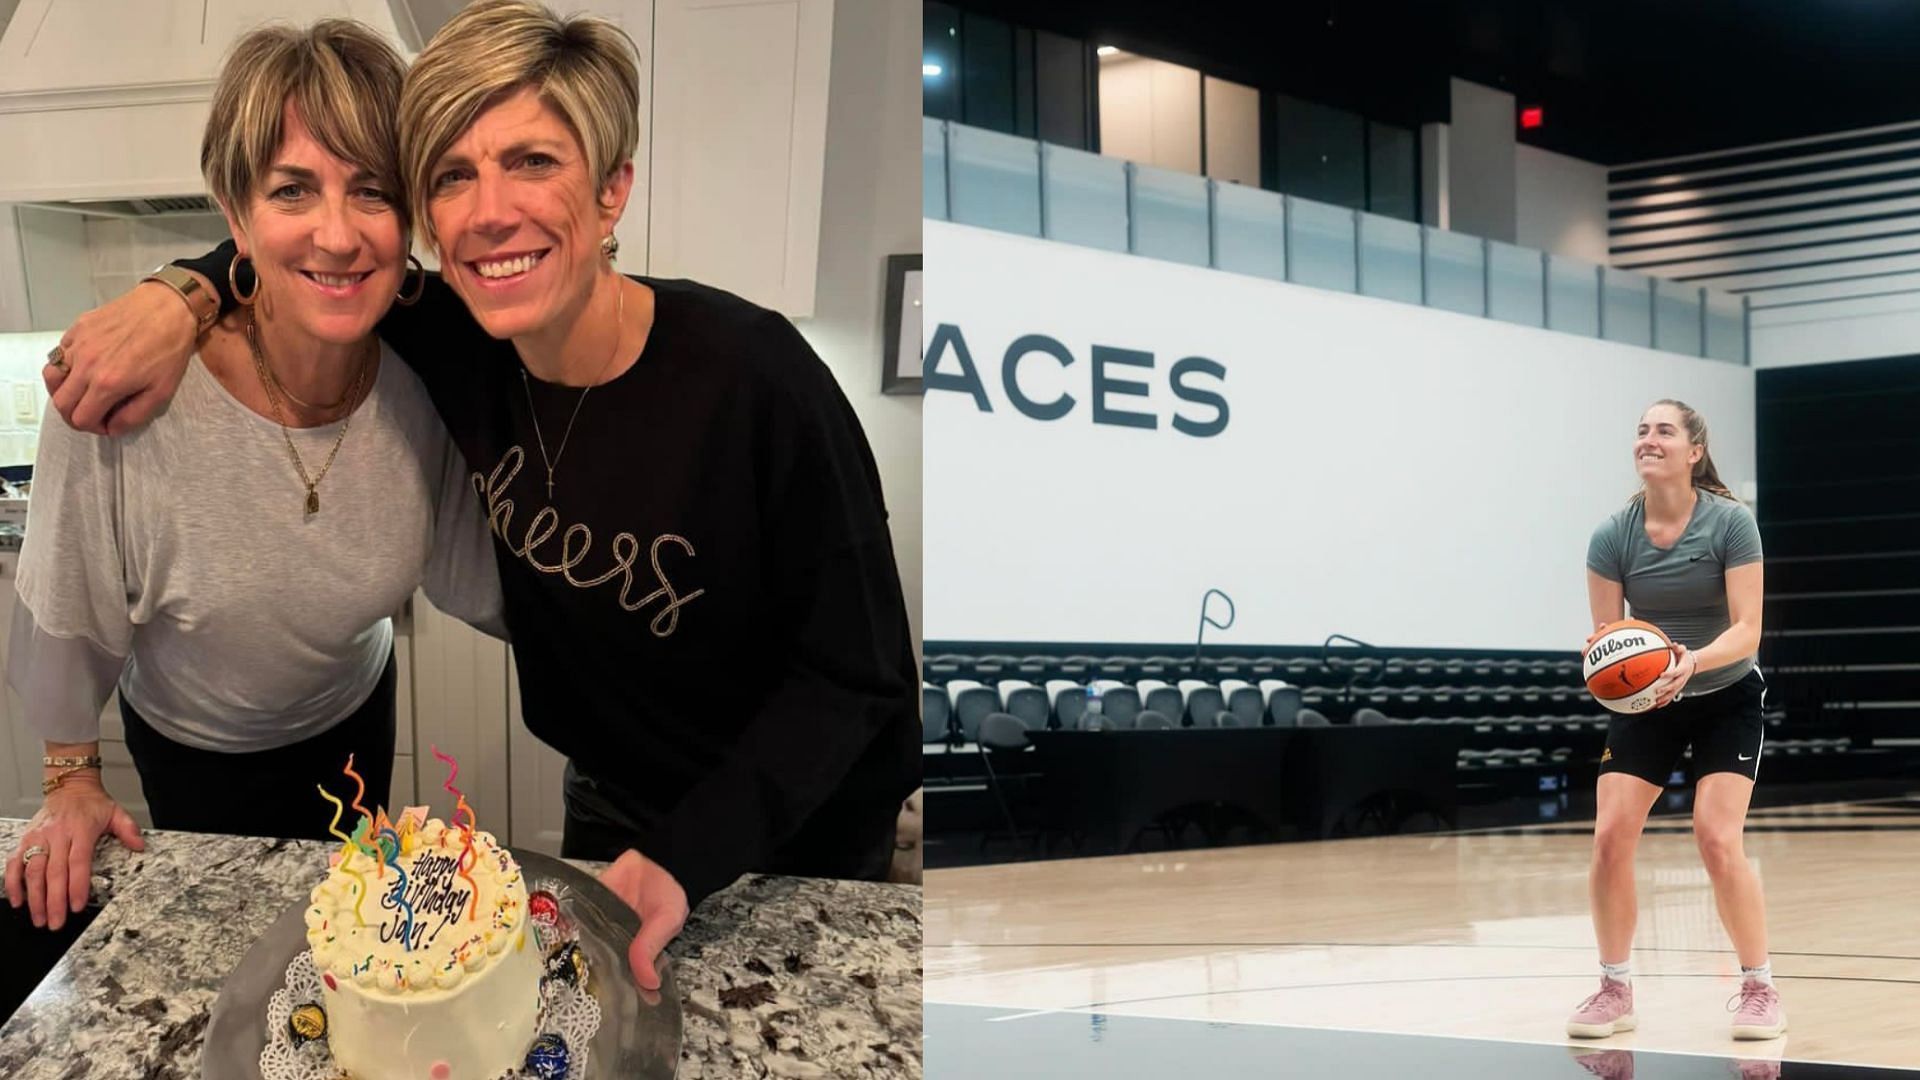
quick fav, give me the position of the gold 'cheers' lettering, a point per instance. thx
(576, 541)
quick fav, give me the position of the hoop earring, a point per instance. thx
(233, 269)
(419, 286)
(610, 246)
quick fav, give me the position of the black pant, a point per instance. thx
(848, 838)
(268, 792)
(1725, 728)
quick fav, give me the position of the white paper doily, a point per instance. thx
(568, 1011)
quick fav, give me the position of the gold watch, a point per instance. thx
(202, 302)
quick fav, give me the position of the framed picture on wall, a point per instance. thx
(901, 371)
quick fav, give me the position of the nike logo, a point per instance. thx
(1696, 558)
(1746, 757)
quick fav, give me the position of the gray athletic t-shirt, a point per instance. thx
(1681, 589)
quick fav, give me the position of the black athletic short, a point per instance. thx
(1724, 728)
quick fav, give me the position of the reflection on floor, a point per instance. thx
(1480, 941)
(965, 1041)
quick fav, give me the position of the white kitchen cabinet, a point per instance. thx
(460, 706)
(539, 777)
(405, 792)
(466, 698)
(20, 780)
(739, 145)
(113, 94)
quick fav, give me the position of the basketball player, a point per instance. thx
(1686, 555)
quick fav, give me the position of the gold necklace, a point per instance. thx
(275, 385)
(619, 320)
(268, 382)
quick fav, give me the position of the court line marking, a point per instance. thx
(1585, 976)
(1379, 945)
(1597, 1044)
(1687, 830)
(1681, 815)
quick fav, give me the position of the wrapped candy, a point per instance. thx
(307, 1023)
(544, 909)
(548, 1058)
(567, 964)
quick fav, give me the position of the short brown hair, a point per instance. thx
(585, 67)
(344, 80)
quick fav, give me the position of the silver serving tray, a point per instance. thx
(636, 1040)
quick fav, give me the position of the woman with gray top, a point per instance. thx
(231, 568)
(1686, 555)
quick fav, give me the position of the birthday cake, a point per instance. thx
(419, 935)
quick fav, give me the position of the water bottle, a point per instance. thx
(1093, 699)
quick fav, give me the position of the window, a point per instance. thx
(1318, 152)
(940, 62)
(987, 73)
(1393, 171)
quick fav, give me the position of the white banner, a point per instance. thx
(1335, 463)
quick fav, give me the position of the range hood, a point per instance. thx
(102, 102)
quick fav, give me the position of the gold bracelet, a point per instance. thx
(53, 783)
(204, 306)
(89, 761)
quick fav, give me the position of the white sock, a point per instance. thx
(1620, 972)
(1763, 973)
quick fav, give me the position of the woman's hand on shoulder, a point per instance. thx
(122, 361)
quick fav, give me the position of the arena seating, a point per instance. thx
(1515, 724)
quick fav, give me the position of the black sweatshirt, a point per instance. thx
(706, 616)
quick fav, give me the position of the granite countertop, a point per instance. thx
(781, 976)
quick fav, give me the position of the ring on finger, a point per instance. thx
(32, 853)
(57, 357)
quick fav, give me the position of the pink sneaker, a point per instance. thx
(1608, 1011)
(1605, 1064)
(1757, 1070)
(1756, 1011)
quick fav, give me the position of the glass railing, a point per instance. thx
(1004, 182)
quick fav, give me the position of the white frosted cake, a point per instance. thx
(447, 991)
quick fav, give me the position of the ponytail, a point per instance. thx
(1705, 477)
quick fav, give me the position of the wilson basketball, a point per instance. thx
(1626, 659)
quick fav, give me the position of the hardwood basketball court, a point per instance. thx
(1478, 935)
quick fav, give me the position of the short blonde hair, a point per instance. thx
(585, 67)
(342, 78)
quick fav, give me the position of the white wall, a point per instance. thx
(1150, 112)
(120, 251)
(55, 265)
(1848, 328)
(1560, 204)
(15, 316)
(1405, 475)
(23, 397)
(53, 260)
(1480, 162)
(871, 209)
